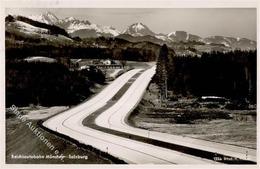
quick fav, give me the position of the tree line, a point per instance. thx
(118, 53)
(47, 84)
(230, 74)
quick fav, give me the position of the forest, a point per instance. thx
(47, 84)
(231, 74)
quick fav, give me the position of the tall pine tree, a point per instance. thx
(161, 71)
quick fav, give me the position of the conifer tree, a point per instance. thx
(161, 71)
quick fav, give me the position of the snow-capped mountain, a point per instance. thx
(183, 36)
(76, 27)
(138, 32)
(84, 28)
(72, 24)
(138, 29)
(234, 43)
(48, 18)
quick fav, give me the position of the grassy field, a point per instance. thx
(217, 124)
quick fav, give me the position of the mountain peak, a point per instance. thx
(47, 17)
(138, 29)
(48, 13)
(138, 25)
(171, 34)
(70, 18)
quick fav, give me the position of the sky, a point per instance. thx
(233, 22)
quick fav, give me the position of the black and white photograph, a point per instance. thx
(118, 86)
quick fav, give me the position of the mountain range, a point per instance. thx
(180, 41)
(76, 27)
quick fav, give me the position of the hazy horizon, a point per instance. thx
(232, 22)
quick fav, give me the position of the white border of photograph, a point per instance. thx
(114, 4)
